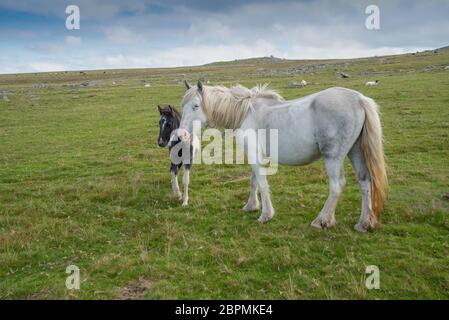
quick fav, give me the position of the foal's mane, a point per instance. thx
(228, 107)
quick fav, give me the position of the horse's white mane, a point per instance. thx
(228, 107)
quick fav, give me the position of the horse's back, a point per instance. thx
(323, 123)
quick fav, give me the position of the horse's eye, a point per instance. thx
(195, 107)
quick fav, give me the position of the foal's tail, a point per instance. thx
(372, 149)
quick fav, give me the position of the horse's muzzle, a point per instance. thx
(161, 142)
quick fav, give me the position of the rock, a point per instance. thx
(299, 84)
(147, 85)
(89, 83)
(446, 68)
(430, 68)
(5, 98)
(39, 85)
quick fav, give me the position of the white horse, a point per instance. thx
(330, 124)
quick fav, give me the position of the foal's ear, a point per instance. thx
(159, 108)
(187, 84)
(172, 110)
(200, 86)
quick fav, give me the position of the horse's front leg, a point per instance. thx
(253, 201)
(185, 182)
(174, 169)
(267, 207)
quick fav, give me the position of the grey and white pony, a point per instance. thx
(329, 124)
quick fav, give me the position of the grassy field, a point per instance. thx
(82, 181)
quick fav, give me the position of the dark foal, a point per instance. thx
(168, 123)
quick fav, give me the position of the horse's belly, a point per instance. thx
(296, 141)
(297, 151)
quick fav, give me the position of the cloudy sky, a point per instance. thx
(147, 33)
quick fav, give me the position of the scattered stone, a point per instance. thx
(89, 83)
(39, 85)
(446, 68)
(430, 68)
(344, 75)
(147, 85)
(5, 98)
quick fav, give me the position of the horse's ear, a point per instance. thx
(172, 110)
(200, 86)
(187, 84)
(159, 108)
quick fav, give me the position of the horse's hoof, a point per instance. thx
(363, 226)
(264, 218)
(250, 207)
(322, 223)
(177, 196)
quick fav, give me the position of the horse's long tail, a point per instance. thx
(372, 148)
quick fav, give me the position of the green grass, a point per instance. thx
(83, 182)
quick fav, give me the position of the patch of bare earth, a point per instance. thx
(40, 295)
(135, 290)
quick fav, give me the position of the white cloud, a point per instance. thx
(72, 41)
(185, 56)
(46, 66)
(141, 36)
(121, 35)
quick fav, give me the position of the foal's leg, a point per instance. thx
(185, 182)
(253, 201)
(267, 207)
(174, 169)
(364, 179)
(326, 217)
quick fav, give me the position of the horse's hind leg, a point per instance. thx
(253, 201)
(326, 217)
(174, 169)
(364, 179)
(185, 182)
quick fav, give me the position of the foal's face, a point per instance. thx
(166, 126)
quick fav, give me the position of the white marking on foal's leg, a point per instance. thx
(253, 201)
(326, 217)
(185, 182)
(175, 185)
(267, 207)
